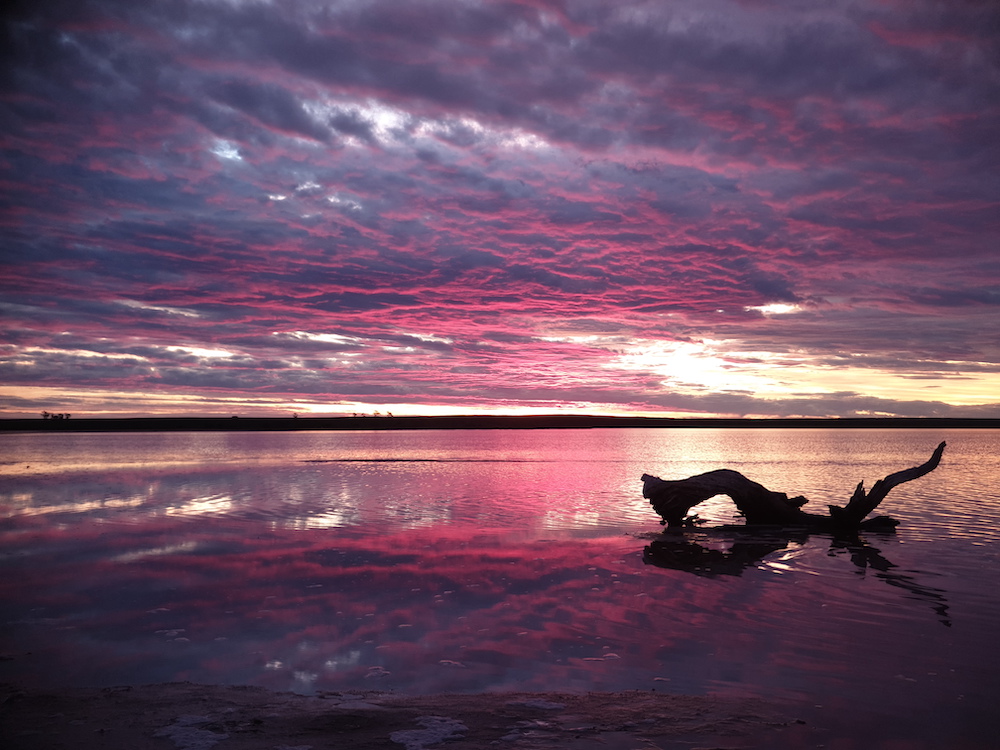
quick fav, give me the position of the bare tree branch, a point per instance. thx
(860, 504)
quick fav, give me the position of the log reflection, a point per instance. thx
(745, 548)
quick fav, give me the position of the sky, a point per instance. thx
(739, 208)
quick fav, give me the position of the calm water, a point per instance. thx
(487, 560)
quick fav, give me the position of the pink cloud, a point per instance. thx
(514, 168)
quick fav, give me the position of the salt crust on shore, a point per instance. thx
(206, 717)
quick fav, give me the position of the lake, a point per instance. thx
(487, 560)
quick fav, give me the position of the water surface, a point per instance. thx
(431, 561)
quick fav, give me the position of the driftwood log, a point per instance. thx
(760, 506)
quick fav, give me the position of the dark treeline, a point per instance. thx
(479, 422)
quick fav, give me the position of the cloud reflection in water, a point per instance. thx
(467, 576)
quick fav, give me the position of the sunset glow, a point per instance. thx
(561, 206)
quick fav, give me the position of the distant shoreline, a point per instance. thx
(482, 422)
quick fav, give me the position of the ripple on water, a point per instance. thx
(518, 555)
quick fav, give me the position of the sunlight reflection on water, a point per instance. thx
(471, 560)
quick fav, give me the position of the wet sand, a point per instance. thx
(199, 717)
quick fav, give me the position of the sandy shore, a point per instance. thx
(200, 717)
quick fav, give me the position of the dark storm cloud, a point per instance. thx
(272, 106)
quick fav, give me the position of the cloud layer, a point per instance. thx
(734, 208)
